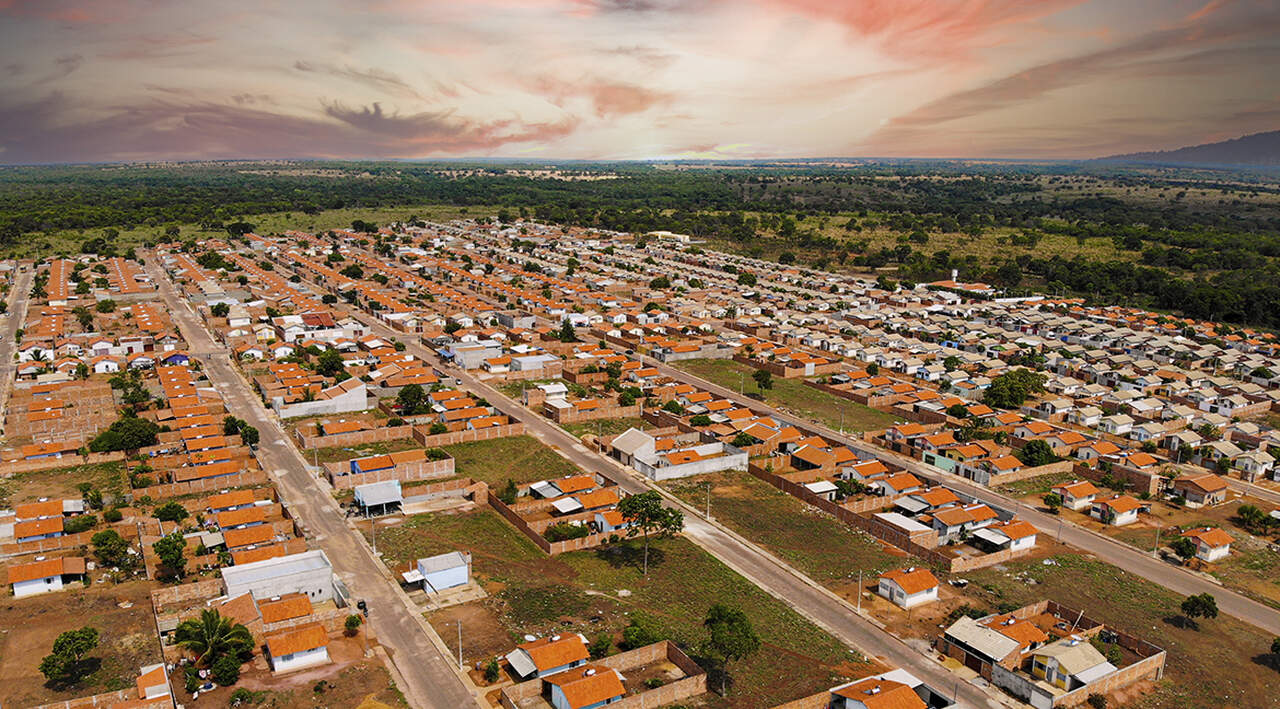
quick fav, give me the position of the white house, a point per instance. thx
(549, 655)
(1211, 542)
(443, 571)
(297, 648)
(1116, 511)
(1076, 495)
(908, 587)
(44, 575)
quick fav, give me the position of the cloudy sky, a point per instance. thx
(123, 80)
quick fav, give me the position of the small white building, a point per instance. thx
(909, 587)
(44, 575)
(298, 648)
(441, 572)
(1212, 543)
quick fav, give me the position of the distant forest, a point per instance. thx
(1213, 260)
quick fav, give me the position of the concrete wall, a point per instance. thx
(572, 415)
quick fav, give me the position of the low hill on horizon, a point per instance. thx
(1255, 150)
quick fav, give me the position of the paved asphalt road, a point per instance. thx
(1144, 564)
(430, 679)
(19, 296)
(806, 596)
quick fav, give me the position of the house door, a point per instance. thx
(973, 662)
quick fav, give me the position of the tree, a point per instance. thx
(1009, 390)
(170, 511)
(763, 378)
(329, 363)
(1275, 651)
(111, 549)
(1036, 453)
(743, 439)
(1053, 501)
(352, 624)
(700, 420)
(353, 271)
(567, 333)
(660, 283)
(170, 549)
(674, 407)
(249, 435)
(220, 310)
(226, 670)
(125, 434)
(648, 517)
(212, 636)
(1201, 605)
(642, 630)
(951, 363)
(65, 664)
(746, 279)
(509, 492)
(412, 400)
(732, 638)
(1183, 547)
(105, 306)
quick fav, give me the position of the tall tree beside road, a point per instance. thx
(648, 517)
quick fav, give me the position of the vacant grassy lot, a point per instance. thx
(821, 546)
(791, 395)
(600, 592)
(607, 427)
(337, 453)
(1151, 612)
(28, 627)
(1037, 486)
(523, 459)
(62, 482)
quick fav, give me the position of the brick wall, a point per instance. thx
(600, 412)
(248, 478)
(427, 440)
(1061, 466)
(10, 468)
(693, 684)
(353, 438)
(198, 591)
(111, 699)
(341, 478)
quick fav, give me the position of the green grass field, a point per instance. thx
(538, 594)
(523, 459)
(791, 395)
(606, 427)
(337, 453)
(821, 546)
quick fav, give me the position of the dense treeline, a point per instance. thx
(1212, 257)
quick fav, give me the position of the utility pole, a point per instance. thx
(1156, 550)
(859, 591)
(708, 500)
(460, 646)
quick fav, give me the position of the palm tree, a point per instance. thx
(213, 636)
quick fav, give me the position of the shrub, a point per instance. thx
(1097, 701)
(600, 646)
(113, 515)
(565, 530)
(509, 492)
(226, 670)
(492, 671)
(395, 421)
(352, 624)
(79, 523)
(641, 631)
(437, 428)
(170, 512)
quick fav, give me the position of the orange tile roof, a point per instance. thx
(248, 535)
(1210, 536)
(587, 685)
(36, 510)
(307, 637)
(44, 569)
(912, 580)
(37, 527)
(882, 694)
(293, 605)
(547, 653)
